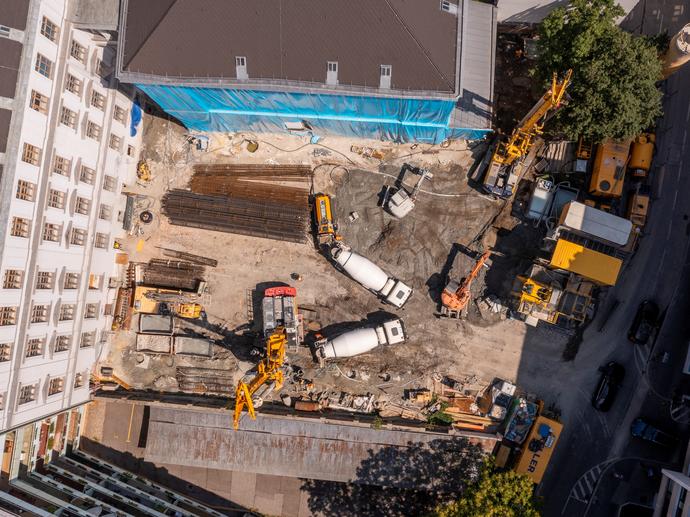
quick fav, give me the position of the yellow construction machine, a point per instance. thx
(325, 227)
(268, 372)
(498, 179)
(108, 381)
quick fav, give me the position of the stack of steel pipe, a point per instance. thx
(173, 273)
(270, 201)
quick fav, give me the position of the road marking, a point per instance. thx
(675, 199)
(585, 486)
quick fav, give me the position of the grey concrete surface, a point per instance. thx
(658, 271)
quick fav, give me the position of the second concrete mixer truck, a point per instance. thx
(361, 340)
(369, 275)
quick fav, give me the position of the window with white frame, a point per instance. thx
(71, 281)
(63, 343)
(52, 232)
(31, 154)
(5, 352)
(20, 227)
(77, 51)
(56, 385)
(73, 84)
(49, 30)
(91, 311)
(119, 114)
(97, 100)
(66, 311)
(44, 66)
(101, 241)
(83, 206)
(88, 339)
(79, 380)
(87, 175)
(12, 279)
(26, 190)
(56, 198)
(68, 117)
(385, 79)
(45, 279)
(93, 131)
(115, 142)
(61, 165)
(39, 313)
(27, 393)
(105, 212)
(110, 183)
(95, 281)
(39, 102)
(34, 347)
(8, 316)
(78, 236)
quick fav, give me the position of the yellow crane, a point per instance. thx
(522, 137)
(269, 370)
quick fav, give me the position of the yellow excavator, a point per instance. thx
(269, 371)
(498, 179)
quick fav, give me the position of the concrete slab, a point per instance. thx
(243, 489)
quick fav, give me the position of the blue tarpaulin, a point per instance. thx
(384, 118)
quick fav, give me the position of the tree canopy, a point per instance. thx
(494, 494)
(613, 93)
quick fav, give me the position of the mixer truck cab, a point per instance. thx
(370, 276)
(361, 340)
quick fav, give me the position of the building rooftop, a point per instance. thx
(293, 41)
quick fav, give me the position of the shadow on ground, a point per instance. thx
(400, 482)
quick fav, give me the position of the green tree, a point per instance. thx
(494, 494)
(613, 93)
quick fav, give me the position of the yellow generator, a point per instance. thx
(324, 221)
(187, 310)
(608, 172)
(641, 153)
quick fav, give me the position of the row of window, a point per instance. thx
(14, 278)
(40, 313)
(26, 191)
(53, 232)
(36, 346)
(29, 392)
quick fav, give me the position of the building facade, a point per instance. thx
(406, 71)
(65, 151)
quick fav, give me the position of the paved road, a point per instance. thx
(660, 270)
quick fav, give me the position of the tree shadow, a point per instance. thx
(396, 481)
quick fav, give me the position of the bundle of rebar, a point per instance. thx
(270, 201)
(177, 274)
(236, 215)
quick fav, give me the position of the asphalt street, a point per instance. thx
(597, 465)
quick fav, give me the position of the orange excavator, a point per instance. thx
(456, 296)
(269, 372)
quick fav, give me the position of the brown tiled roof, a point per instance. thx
(10, 56)
(5, 119)
(13, 13)
(293, 40)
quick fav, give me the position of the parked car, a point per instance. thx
(612, 375)
(642, 429)
(644, 323)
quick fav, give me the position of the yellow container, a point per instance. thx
(641, 154)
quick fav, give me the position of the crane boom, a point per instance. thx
(532, 124)
(268, 370)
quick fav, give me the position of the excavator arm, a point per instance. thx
(458, 300)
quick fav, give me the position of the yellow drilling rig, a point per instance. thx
(499, 179)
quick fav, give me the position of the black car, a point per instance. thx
(644, 323)
(642, 429)
(612, 375)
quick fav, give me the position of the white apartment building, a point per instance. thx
(65, 152)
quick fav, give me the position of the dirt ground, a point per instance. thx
(418, 249)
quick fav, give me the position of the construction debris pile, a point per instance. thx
(270, 201)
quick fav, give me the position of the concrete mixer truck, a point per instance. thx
(369, 275)
(360, 340)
